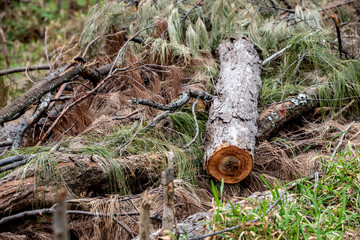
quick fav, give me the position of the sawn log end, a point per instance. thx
(230, 163)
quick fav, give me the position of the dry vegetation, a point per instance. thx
(173, 50)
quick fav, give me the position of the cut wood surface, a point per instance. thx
(232, 128)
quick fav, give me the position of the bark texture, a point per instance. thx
(49, 83)
(275, 116)
(35, 185)
(232, 128)
(144, 227)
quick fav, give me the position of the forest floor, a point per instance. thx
(106, 151)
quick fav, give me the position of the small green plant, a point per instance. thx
(330, 211)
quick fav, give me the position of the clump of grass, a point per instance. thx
(328, 211)
(131, 140)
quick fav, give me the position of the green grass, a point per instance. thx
(331, 211)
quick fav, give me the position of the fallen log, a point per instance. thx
(231, 128)
(276, 115)
(32, 185)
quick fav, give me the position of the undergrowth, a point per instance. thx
(135, 139)
(327, 209)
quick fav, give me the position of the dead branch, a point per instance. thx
(34, 118)
(67, 108)
(13, 159)
(196, 124)
(338, 34)
(168, 184)
(5, 143)
(60, 222)
(23, 69)
(183, 99)
(6, 54)
(275, 116)
(55, 79)
(49, 83)
(144, 229)
(50, 211)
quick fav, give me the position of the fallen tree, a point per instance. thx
(31, 185)
(231, 128)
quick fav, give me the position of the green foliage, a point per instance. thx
(329, 211)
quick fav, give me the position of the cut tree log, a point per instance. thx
(232, 128)
(32, 185)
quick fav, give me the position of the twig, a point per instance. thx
(60, 222)
(316, 174)
(275, 55)
(342, 139)
(127, 116)
(240, 225)
(23, 69)
(97, 38)
(67, 108)
(182, 21)
(46, 50)
(135, 39)
(124, 47)
(66, 131)
(6, 54)
(338, 5)
(343, 109)
(196, 123)
(184, 98)
(336, 22)
(49, 211)
(27, 74)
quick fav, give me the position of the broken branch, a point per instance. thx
(23, 69)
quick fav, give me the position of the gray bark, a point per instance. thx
(276, 115)
(232, 127)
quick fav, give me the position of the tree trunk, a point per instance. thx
(231, 128)
(35, 185)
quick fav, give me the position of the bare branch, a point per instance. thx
(23, 69)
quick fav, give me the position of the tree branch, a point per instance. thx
(23, 69)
